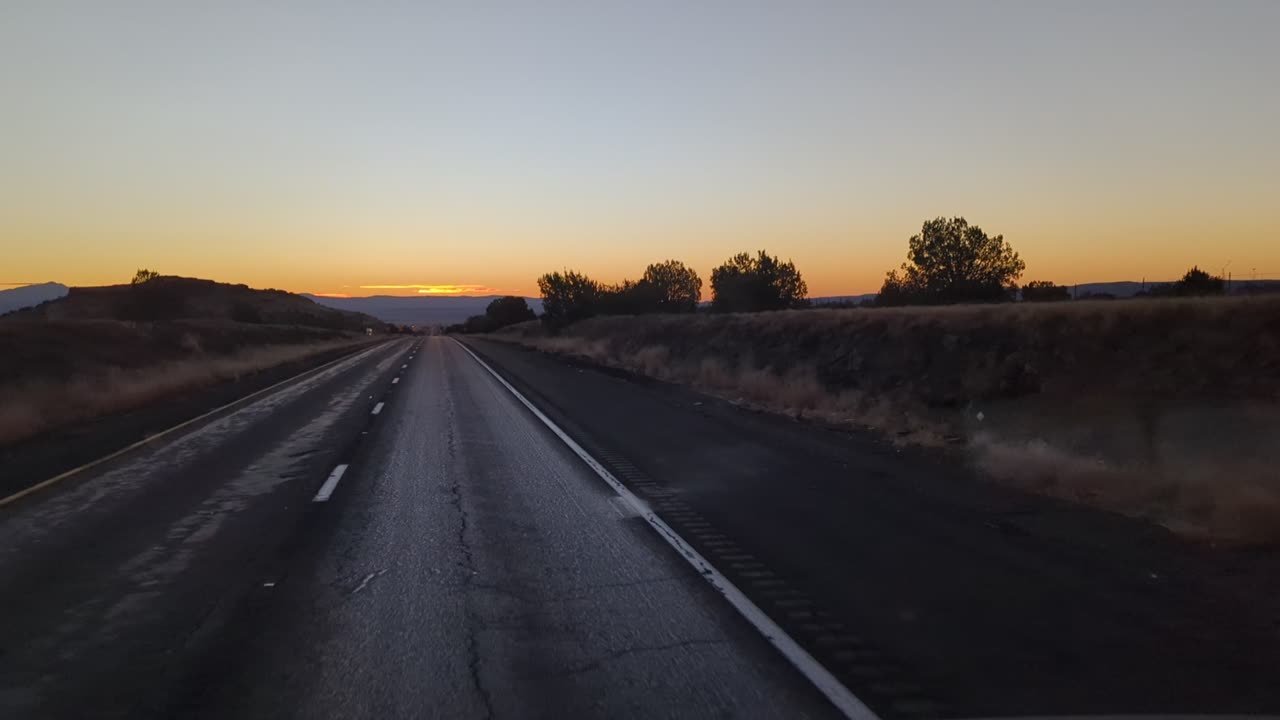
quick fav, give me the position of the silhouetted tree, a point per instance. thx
(953, 261)
(1199, 282)
(568, 297)
(674, 287)
(1044, 291)
(627, 298)
(1194, 283)
(508, 310)
(752, 284)
(144, 275)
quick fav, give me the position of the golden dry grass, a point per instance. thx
(35, 406)
(1125, 405)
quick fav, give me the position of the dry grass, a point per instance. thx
(37, 404)
(1163, 409)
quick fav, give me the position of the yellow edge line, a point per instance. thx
(5, 502)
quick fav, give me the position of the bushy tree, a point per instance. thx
(752, 284)
(1199, 282)
(627, 298)
(1195, 282)
(673, 287)
(508, 310)
(952, 261)
(568, 297)
(1044, 291)
(144, 275)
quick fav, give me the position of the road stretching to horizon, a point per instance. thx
(407, 533)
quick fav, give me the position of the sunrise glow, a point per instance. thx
(419, 152)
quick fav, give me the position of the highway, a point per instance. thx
(466, 564)
(398, 534)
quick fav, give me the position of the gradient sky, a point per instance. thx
(332, 147)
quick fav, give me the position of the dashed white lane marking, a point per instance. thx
(826, 683)
(367, 579)
(395, 380)
(327, 488)
(378, 408)
(403, 367)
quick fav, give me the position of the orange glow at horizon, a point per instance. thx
(396, 153)
(457, 290)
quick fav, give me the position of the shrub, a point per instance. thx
(508, 310)
(1044, 291)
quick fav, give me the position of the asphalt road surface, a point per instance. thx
(466, 564)
(398, 535)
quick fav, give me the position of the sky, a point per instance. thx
(392, 148)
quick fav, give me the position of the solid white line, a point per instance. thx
(395, 380)
(826, 683)
(327, 488)
(378, 408)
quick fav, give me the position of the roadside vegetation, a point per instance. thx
(1166, 406)
(102, 351)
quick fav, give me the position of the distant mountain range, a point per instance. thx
(1128, 289)
(30, 295)
(416, 310)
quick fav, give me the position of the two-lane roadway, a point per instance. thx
(464, 563)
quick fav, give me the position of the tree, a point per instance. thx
(1194, 283)
(144, 275)
(675, 287)
(568, 297)
(952, 261)
(1199, 282)
(752, 284)
(508, 310)
(628, 298)
(1044, 291)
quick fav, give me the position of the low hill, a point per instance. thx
(176, 298)
(419, 310)
(103, 351)
(29, 296)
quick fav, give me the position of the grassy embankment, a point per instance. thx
(1162, 409)
(56, 374)
(102, 351)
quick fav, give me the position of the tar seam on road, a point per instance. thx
(327, 489)
(377, 408)
(826, 683)
(5, 502)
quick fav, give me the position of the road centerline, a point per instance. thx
(327, 489)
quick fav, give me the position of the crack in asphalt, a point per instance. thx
(469, 567)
